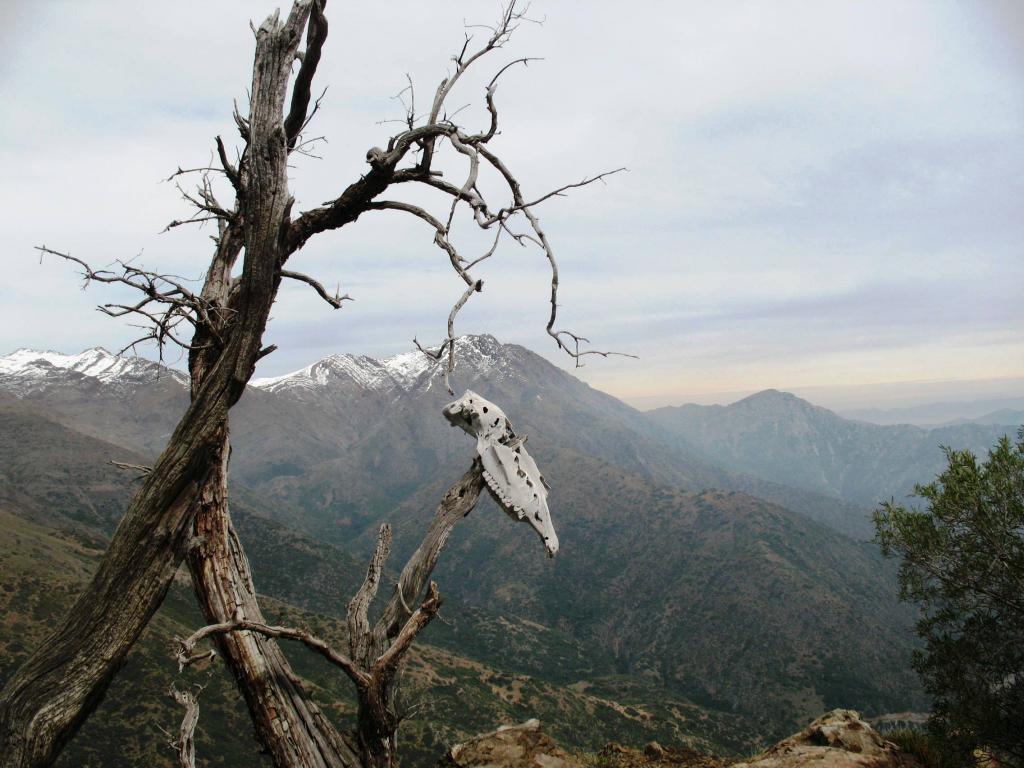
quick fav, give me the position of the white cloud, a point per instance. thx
(812, 185)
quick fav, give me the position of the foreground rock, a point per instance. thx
(839, 739)
(511, 746)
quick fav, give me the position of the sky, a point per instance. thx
(822, 197)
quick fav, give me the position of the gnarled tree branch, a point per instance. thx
(315, 644)
(185, 743)
(316, 36)
(334, 300)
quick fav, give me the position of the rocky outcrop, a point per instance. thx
(839, 739)
(511, 746)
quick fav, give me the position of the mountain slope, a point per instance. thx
(727, 600)
(360, 435)
(718, 596)
(508, 668)
(673, 583)
(95, 391)
(335, 445)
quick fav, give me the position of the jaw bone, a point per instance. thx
(510, 472)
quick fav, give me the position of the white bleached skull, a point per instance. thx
(510, 472)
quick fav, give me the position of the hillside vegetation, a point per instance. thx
(681, 604)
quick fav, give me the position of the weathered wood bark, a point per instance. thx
(294, 731)
(46, 700)
(380, 650)
(458, 501)
(185, 744)
(289, 725)
(54, 691)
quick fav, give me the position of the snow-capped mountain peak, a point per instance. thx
(367, 372)
(25, 370)
(29, 371)
(482, 355)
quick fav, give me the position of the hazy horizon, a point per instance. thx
(881, 396)
(873, 402)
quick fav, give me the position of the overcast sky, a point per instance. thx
(821, 194)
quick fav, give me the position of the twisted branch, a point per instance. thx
(334, 300)
(185, 656)
(185, 743)
(359, 638)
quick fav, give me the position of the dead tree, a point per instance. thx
(180, 511)
(375, 654)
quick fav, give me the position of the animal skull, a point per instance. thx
(510, 472)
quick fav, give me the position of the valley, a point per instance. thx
(715, 584)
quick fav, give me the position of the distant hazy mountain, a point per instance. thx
(778, 436)
(722, 598)
(1005, 410)
(1004, 416)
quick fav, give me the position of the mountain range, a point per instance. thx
(59, 500)
(1000, 410)
(779, 436)
(709, 557)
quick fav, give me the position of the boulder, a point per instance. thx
(511, 746)
(839, 739)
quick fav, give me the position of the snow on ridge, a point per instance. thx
(402, 371)
(26, 370)
(271, 382)
(398, 371)
(97, 363)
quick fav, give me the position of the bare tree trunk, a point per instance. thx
(46, 701)
(185, 744)
(288, 723)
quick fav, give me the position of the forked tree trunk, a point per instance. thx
(46, 700)
(288, 723)
(378, 717)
